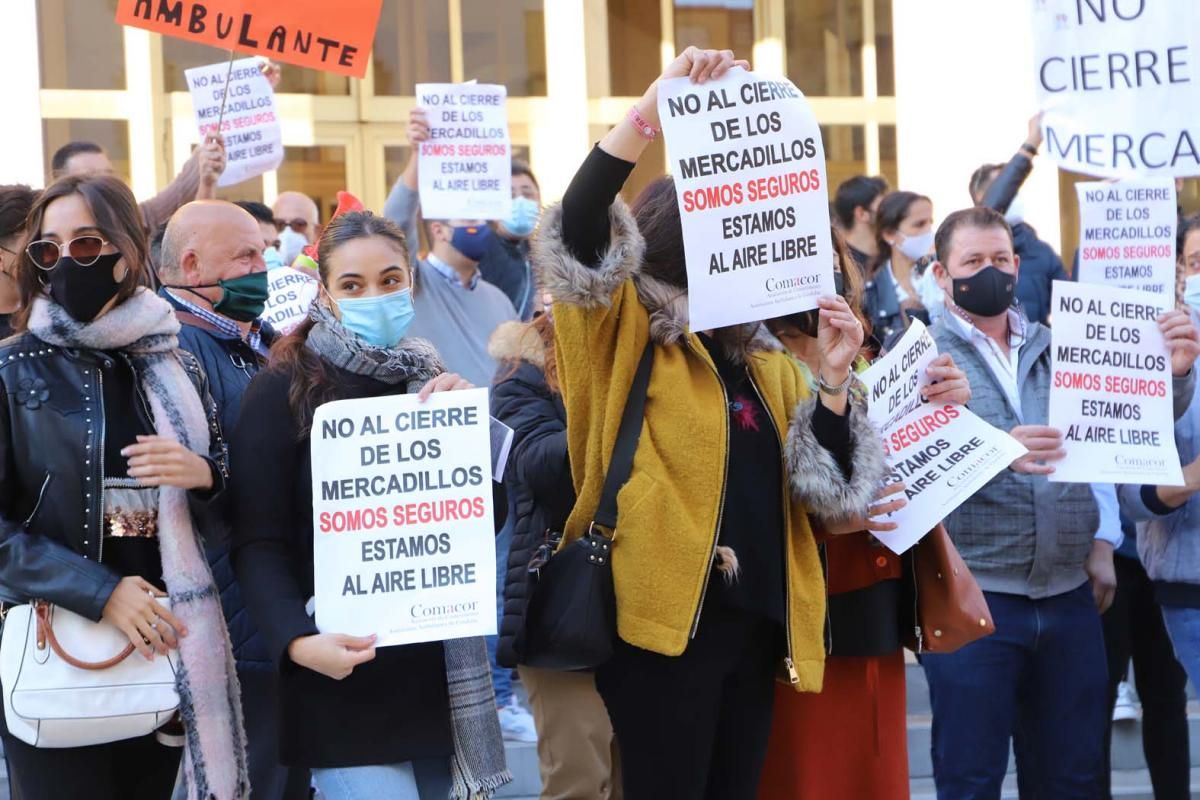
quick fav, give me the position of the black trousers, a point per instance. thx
(134, 769)
(269, 780)
(1133, 627)
(695, 727)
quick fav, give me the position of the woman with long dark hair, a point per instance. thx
(894, 296)
(719, 588)
(15, 203)
(109, 450)
(402, 722)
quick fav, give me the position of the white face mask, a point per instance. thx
(290, 245)
(1016, 211)
(915, 247)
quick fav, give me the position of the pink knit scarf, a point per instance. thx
(145, 328)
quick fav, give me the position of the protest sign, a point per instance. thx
(749, 170)
(239, 100)
(290, 293)
(942, 451)
(1119, 84)
(1111, 392)
(1127, 236)
(403, 535)
(334, 37)
(466, 165)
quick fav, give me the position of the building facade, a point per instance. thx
(953, 72)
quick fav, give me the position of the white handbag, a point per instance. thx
(71, 682)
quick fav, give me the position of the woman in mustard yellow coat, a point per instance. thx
(719, 587)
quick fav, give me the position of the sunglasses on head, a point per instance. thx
(46, 254)
(298, 225)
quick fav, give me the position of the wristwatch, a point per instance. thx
(1028, 149)
(834, 389)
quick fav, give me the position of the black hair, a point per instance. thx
(858, 192)
(521, 168)
(980, 180)
(974, 217)
(68, 151)
(260, 211)
(16, 200)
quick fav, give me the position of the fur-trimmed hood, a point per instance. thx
(517, 341)
(559, 274)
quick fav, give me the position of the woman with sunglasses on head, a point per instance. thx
(369, 723)
(15, 202)
(110, 450)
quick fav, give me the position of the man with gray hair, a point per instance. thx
(214, 276)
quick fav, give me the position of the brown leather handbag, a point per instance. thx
(944, 603)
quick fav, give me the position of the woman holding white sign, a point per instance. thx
(719, 589)
(369, 723)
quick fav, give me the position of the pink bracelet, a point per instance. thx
(647, 130)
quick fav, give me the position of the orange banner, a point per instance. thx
(320, 34)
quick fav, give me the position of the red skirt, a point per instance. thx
(850, 742)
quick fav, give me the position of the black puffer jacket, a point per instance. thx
(51, 469)
(538, 476)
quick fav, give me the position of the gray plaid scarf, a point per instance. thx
(477, 768)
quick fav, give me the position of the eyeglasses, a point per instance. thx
(46, 254)
(298, 225)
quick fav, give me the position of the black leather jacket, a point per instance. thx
(51, 470)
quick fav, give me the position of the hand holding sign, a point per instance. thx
(839, 336)
(1043, 443)
(750, 177)
(885, 503)
(947, 383)
(334, 655)
(1182, 339)
(212, 160)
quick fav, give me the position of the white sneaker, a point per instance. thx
(1127, 707)
(516, 723)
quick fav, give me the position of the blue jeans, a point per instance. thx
(410, 780)
(1183, 626)
(1041, 680)
(501, 676)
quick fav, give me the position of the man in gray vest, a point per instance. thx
(1041, 551)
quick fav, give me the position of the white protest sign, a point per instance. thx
(466, 166)
(749, 170)
(403, 535)
(942, 451)
(1118, 81)
(1127, 236)
(290, 293)
(1111, 392)
(253, 142)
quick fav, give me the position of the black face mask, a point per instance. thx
(83, 291)
(807, 321)
(987, 293)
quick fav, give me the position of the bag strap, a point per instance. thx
(45, 634)
(628, 434)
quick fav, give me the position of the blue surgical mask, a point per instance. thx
(523, 218)
(472, 240)
(1191, 292)
(272, 258)
(381, 320)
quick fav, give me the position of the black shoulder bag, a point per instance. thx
(571, 620)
